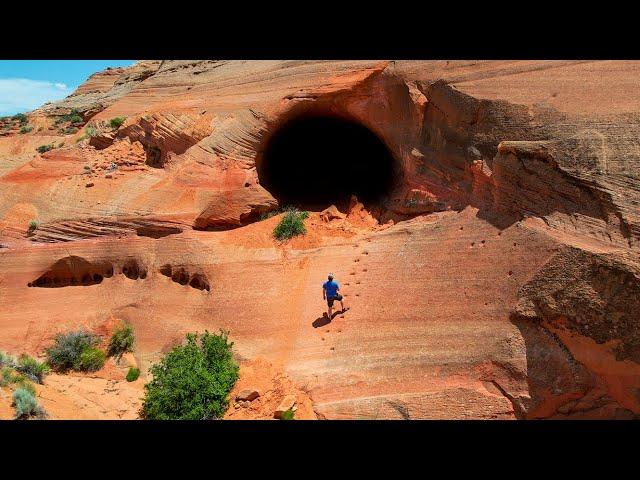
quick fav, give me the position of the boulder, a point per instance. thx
(331, 213)
(287, 404)
(247, 395)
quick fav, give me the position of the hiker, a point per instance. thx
(330, 293)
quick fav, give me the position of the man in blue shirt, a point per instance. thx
(330, 293)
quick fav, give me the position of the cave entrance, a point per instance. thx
(314, 161)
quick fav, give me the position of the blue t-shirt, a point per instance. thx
(331, 287)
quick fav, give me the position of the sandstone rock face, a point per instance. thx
(496, 277)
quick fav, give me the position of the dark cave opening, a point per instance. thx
(314, 161)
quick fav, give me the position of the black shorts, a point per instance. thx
(331, 299)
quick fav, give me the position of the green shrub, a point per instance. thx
(20, 117)
(73, 117)
(68, 348)
(23, 382)
(45, 148)
(26, 129)
(9, 377)
(6, 377)
(26, 404)
(192, 381)
(33, 226)
(32, 368)
(287, 415)
(69, 131)
(133, 374)
(121, 341)
(116, 122)
(92, 131)
(6, 360)
(292, 224)
(91, 360)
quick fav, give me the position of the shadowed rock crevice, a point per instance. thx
(77, 271)
(183, 276)
(73, 271)
(314, 161)
(133, 270)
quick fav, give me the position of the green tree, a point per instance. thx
(192, 381)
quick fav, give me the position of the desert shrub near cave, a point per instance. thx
(33, 226)
(288, 415)
(45, 148)
(6, 359)
(68, 349)
(26, 129)
(6, 376)
(26, 405)
(192, 381)
(32, 368)
(133, 374)
(121, 341)
(92, 131)
(91, 360)
(116, 122)
(292, 224)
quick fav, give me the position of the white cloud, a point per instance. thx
(23, 94)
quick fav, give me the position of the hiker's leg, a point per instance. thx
(330, 312)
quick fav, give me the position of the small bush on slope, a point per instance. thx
(91, 360)
(45, 148)
(133, 374)
(32, 368)
(287, 415)
(26, 404)
(66, 352)
(21, 117)
(192, 381)
(8, 378)
(33, 226)
(92, 131)
(116, 122)
(121, 341)
(292, 224)
(6, 359)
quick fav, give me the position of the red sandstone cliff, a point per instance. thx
(506, 248)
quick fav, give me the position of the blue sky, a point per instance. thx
(27, 84)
